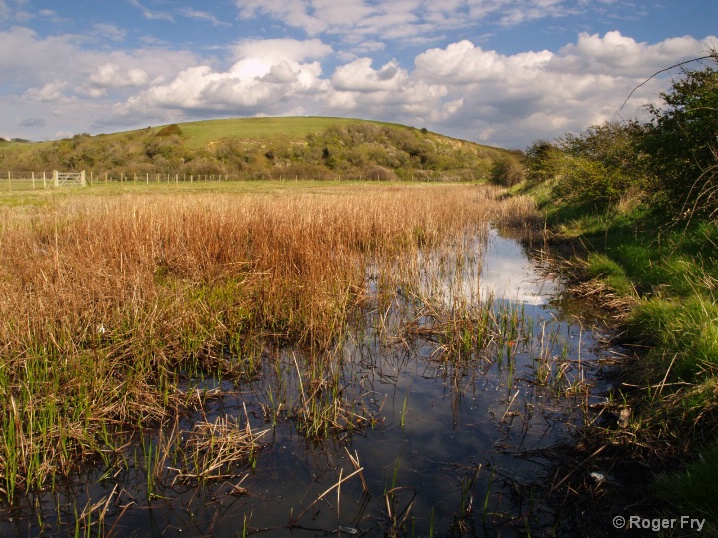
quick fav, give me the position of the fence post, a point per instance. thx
(55, 178)
(9, 187)
(44, 181)
(83, 179)
(33, 181)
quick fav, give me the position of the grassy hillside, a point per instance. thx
(264, 148)
(202, 133)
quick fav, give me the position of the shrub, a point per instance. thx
(378, 173)
(682, 140)
(543, 160)
(170, 130)
(507, 170)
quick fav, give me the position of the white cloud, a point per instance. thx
(109, 31)
(461, 88)
(359, 76)
(50, 92)
(269, 77)
(407, 21)
(30, 60)
(272, 50)
(112, 76)
(542, 94)
(149, 14)
(616, 54)
(202, 16)
(58, 79)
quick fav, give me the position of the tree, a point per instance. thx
(507, 170)
(543, 160)
(682, 141)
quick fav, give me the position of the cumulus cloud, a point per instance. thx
(460, 88)
(616, 54)
(268, 77)
(32, 60)
(50, 92)
(58, 78)
(112, 76)
(271, 50)
(358, 76)
(542, 94)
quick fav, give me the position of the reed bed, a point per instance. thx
(107, 304)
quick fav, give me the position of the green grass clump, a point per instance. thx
(601, 266)
(683, 335)
(692, 490)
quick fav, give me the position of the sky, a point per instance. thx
(500, 72)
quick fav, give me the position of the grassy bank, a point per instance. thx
(632, 206)
(657, 278)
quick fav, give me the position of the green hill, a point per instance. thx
(263, 148)
(202, 133)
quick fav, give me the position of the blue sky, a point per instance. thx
(502, 72)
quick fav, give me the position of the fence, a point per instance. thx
(21, 181)
(27, 181)
(147, 178)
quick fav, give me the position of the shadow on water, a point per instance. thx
(426, 419)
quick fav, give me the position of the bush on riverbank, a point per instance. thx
(641, 200)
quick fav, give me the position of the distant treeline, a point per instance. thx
(354, 151)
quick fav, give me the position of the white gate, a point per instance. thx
(69, 179)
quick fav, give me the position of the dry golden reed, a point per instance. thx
(106, 302)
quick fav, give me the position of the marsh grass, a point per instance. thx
(108, 304)
(212, 448)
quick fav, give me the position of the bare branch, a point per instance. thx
(663, 71)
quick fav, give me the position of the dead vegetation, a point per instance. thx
(106, 304)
